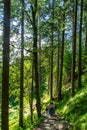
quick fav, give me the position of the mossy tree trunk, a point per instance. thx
(35, 57)
(74, 47)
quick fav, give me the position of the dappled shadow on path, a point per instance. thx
(53, 123)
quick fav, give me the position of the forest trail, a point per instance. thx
(54, 123)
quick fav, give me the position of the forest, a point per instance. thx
(43, 58)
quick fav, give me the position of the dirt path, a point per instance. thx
(53, 123)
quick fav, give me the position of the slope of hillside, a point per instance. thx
(74, 109)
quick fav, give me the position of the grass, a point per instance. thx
(74, 109)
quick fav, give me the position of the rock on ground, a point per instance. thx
(54, 123)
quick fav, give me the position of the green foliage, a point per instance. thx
(28, 125)
(67, 65)
(84, 62)
(13, 119)
(14, 83)
(75, 109)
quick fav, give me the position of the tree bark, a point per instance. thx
(62, 55)
(80, 48)
(51, 61)
(32, 89)
(39, 54)
(22, 69)
(58, 59)
(86, 31)
(74, 47)
(86, 40)
(5, 72)
(35, 58)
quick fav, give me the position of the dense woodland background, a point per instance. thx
(43, 57)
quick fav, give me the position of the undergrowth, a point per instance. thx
(74, 109)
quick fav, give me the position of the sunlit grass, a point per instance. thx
(74, 109)
(13, 119)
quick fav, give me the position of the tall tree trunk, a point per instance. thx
(80, 41)
(31, 103)
(35, 58)
(22, 69)
(58, 59)
(86, 40)
(51, 71)
(5, 73)
(39, 54)
(49, 76)
(86, 30)
(62, 55)
(74, 47)
(39, 64)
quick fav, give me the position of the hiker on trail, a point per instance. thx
(51, 109)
